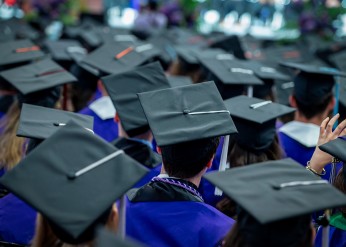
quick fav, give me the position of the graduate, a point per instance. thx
(314, 100)
(337, 231)
(35, 83)
(135, 136)
(17, 219)
(256, 142)
(75, 191)
(169, 211)
(331, 149)
(275, 200)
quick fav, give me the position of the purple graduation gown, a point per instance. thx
(107, 129)
(181, 223)
(17, 220)
(301, 154)
(337, 237)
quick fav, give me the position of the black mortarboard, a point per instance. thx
(312, 82)
(275, 191)
(73, 178)
(123, 89)
(186, 113)
(255, 120)
(41, 122)
(268, 74)
(112, 58)
(105, 238)
(188, 54)
(283, 90)
(232, 72)
(61, 49)
(229, 43)
(14, 53)
(336, 148)
(230, 75)
(36, 76)
(177, 81)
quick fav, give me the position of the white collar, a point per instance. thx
(305, 133)
(103, 107)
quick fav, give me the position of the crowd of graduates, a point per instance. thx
(116, 137)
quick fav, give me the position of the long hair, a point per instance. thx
(234, 238)
(47, 235)
(239, 156)
(339, 183)
(12, 147)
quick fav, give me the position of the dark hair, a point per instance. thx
(339, 183)
(239, 156)
(235, 238)
(187, 159)
(312, 110)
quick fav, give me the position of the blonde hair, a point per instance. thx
(12, 147)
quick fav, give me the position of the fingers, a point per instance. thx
(340, 129)
(323, 126)
(331, 123)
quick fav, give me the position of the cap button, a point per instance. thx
(71, 175)
(186, 111)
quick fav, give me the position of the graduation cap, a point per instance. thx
(106, 238)
(186, 113)
(231, 75)
(274, 198)
(177, 81)
(35, 77)
(61, 50)
(268, 74)
(283, 90)
(312, 82)
(112, 58)
(64, 177)
(42, 122)
(14, 53)
(255, 120)
(337, 149)
(123, 89)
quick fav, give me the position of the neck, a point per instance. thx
(317, 120)
(196, 180)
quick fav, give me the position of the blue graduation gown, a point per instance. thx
(107, 129)
(180, 223)
(17, 220)
(337, 237)
(301, 154)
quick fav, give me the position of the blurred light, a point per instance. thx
(129, 16)
(211, 17)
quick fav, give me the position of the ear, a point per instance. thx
(101, 88)
(116, 118)
(158, 149)
(210, 163)
(113, 220)
(331, 104)
(292, 101)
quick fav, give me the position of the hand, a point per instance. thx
(320, 159)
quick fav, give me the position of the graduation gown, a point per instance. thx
(162, 214)
(299, 140)
(107, 129)
(337, 232)
(142, 153)
(17, 220)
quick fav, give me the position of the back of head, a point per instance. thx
(187, 159)
(313, 93)
(248, 232)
